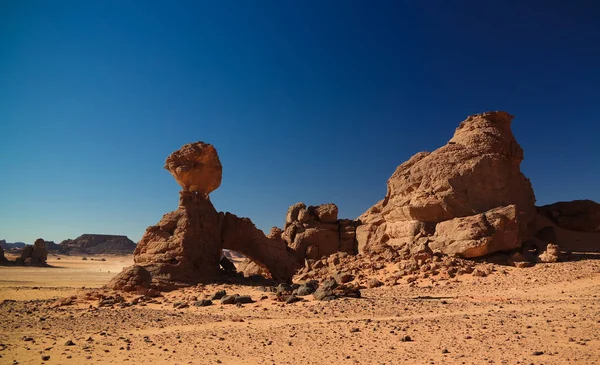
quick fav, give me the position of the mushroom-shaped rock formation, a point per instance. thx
(476, 172)
(185, 246)
(196, 167)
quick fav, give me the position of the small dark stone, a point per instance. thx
(538, 353)
(218, 295)
(284, 288)
(69, 343)
(293, 299)
(243, 299)
(406, 339)
(180, 305)
(354, 329)
(329, 283)
(228, 299)
(45, 357)
(203, 303)
(304, 290)
(323, 294)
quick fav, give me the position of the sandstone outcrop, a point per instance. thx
(548, 232)
(34, 255)
(185, 247)
(552, 254)
(196, 167)
(577, 215)
(478, 235)
(315, 231)
(474, 177)
(250, 268)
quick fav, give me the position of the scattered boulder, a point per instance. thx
(218, 295)
(343, 277)
(228, 299)
(315, 231)
(132, 279)
(227, 265)
(304, 290)
(478, 235)
(330, 289)
(374, 283)
(552, 254)
(202, 303)
(243, 299)
(250, 268)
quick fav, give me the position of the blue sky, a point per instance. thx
(313, 101)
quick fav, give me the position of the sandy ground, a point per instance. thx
(547, 314)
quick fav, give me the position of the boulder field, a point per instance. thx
(467, 199)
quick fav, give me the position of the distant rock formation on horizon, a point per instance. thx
(30, 255)
(97, 244)
(9, 246)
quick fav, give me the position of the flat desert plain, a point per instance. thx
(546, 314)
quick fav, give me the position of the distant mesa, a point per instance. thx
(91, 244)
(10, 246)
(86, 244)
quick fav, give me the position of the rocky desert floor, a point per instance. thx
(546, 314)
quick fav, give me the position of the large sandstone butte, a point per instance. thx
(186, 245)
(468, 197)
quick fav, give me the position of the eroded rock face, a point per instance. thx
(251, 268)
(577, 215)
(315, 231)
(196, 167)
(185, 247)
(240, 234)
(478, 235)
(34, 255)
(476, 172)
(131, 279)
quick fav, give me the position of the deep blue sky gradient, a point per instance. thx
(313, 101)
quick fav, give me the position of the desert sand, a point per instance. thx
(546, 314)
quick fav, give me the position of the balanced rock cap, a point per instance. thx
(196, 167)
